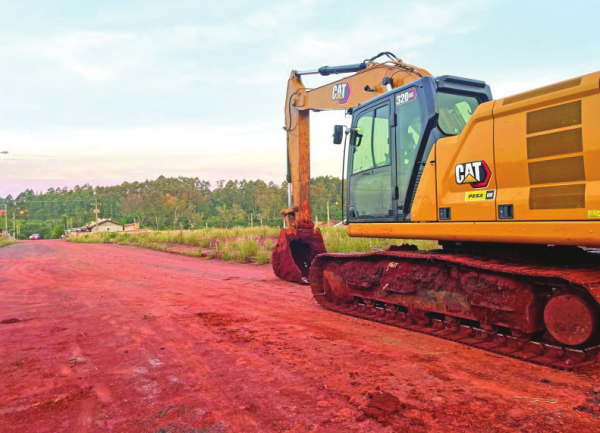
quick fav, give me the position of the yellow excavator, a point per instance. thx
(510, 188)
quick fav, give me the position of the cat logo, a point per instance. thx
(477, 174)
(341, 92)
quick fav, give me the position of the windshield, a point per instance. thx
(454, 112)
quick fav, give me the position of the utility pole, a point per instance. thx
(328, 214)
(5, 219)
(14, 223)
(96, 210)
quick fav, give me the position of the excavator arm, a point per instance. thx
(299, 242)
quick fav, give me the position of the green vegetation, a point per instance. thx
(203, 238)
(337, 241)
(166, 203)
(4, 242)
(241, 244)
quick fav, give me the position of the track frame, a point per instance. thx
(582, 277)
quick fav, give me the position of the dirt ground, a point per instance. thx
(98, 337)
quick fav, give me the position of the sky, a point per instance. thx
(122, 90)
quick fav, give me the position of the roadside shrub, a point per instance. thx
(4, 242)
(262, 257)
(247, 248)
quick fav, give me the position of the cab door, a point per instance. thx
(371, 164)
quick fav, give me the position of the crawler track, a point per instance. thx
(535, 348)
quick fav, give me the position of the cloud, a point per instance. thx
(79, 52)
(504, 85)
(201, 92)
(418, 24)
(76, 156)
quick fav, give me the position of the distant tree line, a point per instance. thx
(164, 203)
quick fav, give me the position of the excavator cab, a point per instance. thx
(391, 138)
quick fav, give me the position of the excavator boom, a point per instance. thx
(300, 242)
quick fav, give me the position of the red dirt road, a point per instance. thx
(115, 338)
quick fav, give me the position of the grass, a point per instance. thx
(242, 244)
(337, 241)
(4, 242)
(206, 238)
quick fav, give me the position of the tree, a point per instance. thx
(238, 215)
(133, 206)
(57, 232)
(225, 215)
(166, 202)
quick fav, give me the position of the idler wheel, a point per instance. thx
(570, 319)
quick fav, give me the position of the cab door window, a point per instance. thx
(371, 179)
(363, 144)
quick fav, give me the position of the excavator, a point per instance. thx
(509, 188)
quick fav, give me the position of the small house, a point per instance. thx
(104, 226)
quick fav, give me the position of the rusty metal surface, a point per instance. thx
(570, 319)
(294, 252)
(524, 342)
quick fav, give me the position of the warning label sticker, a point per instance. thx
(593, 213)
(481, 195)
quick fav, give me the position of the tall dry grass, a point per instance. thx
(243, 244)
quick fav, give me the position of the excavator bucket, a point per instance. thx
(294, 253)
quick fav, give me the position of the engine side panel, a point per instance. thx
(547, 151)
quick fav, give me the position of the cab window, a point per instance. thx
(363, 155)
(372, 140)
(454, 112)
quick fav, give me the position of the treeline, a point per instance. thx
(163, 203)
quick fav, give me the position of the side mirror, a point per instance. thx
(338, 134)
